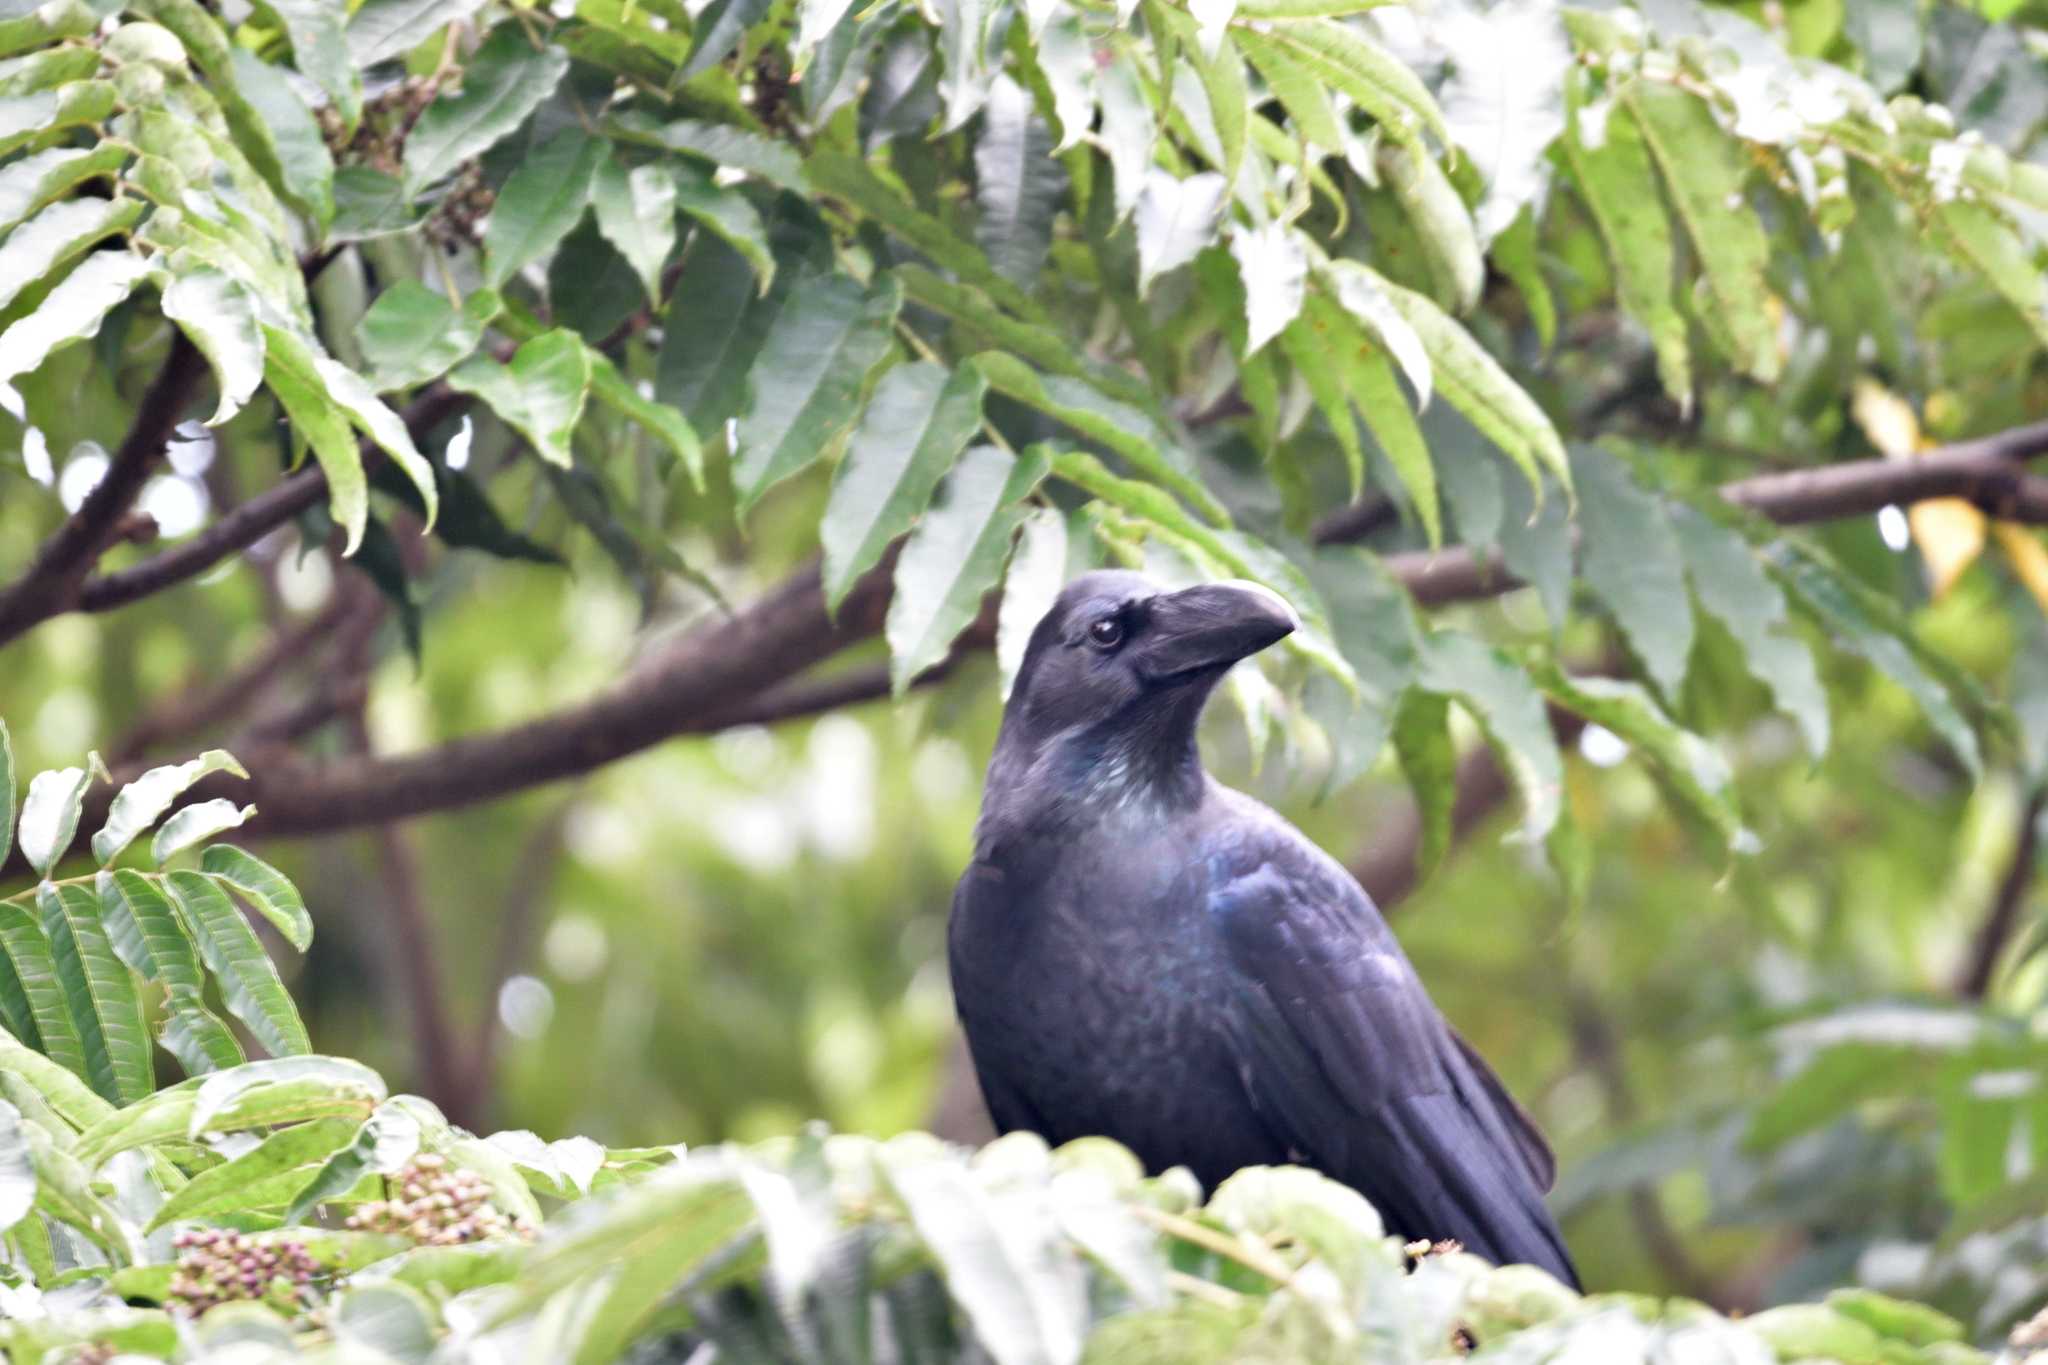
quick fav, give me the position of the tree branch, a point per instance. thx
(51, 583)
(1987, 945)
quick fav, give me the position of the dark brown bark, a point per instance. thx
(1988, 944)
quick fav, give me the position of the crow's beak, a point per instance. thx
(1204, 630)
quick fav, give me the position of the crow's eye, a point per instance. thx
(1107, 633)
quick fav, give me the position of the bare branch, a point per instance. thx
(1988, 944)
(51, 584)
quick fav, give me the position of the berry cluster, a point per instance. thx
(435, 1204)
(218, 1265)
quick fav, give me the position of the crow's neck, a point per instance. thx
(1136, 766)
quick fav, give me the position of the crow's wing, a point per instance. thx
(1347, 1059)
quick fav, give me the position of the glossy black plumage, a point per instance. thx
(1143, 953)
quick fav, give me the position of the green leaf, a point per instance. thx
(1342, 58)
(765, 158)
(50, 239)
(1129, 133)
(954, 556)
(320, 51)
(316, 419)
(1631, 561)
(541, 201)
(195, 1035)
(1370, 300)
(380, 30)
(611, 389)
(728, 213)
(1872, 627)
(72, 311)
(1018, 184)
(144, 929)
(1509, 709)
(412, 334)
(1422, 738)
(249, 984)
(54, 1077)
(919, 420)
(1536, 546)
(1474, 383)
(1175, 220)
(1037, 572)
(369, 204)
(1120, 427)
(49, 814)
(99, 992)
(964, 48)
(1450, 242)
(1313, 342)
(1042, 346)
(850, 179)
(636, 212)
(195, 824)
(267, 1175)
(502, 83)
(306, 167)
(541, 393)
(1300, 92)
(218, 315)
(1704, 170)
(1369, 378)
(1612, 177)
(37, 1012)
(718, 29)
(351, 396)
(30, 182)
(264, 887)
(1274, 267)
(1734, 588)
(468, 521)
(388, 1139)
(1982, 239)
(138, 805)
(23, 118)
(711, 333)
(17, 1171)
(807, 381)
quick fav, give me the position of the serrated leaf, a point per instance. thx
(319, 50)
(265, 1176)
(964, 49)
(1175, 219)
(17, 1170)
(1733, 587)
(541, 393)
(1296, 86)
(264, 887)
(636, 212)
(712, 331)
(412, 334)
(1631, 561)
(1129, 135)
(1705, 170)
(807, 380)
(138, 805)
(369, 204)
(919, 420)
(718, 29)
(1612, 178)
(504, 81)
(1509, 709)
(1450, 241)
(26, 117)
(49, 814)
(741, 149)
(1042, 346)
(1873, 628)
(1422, 739)
(353, 399)
(612, 389)
(1066, 59)
(99, 992)
(1474, 383)
(72, 311)
(1120, 427)
(36, 1010)
(380, 30)
(57, 1084)
(815, 19)
(249, 984)
(325, 430)
(1982, 239)
(1311, 344)
(195, 824)
(1371, 300)
(727, 213)
(32, 181)
(541, 201)
(1037, 572)
(1018, 184)
(1274, 267)
(195, 1035)
(954, 556)
(1342, 58)
(1369, 377)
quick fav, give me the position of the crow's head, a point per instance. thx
(1117, 651)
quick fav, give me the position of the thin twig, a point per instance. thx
(1987, 945)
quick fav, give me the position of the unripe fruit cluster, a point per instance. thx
(219, 1265)
(435, 1204)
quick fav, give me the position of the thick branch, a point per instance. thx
(51, 583)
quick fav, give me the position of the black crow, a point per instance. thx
(1142, 953)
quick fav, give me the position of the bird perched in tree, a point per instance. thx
(1143, 953)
